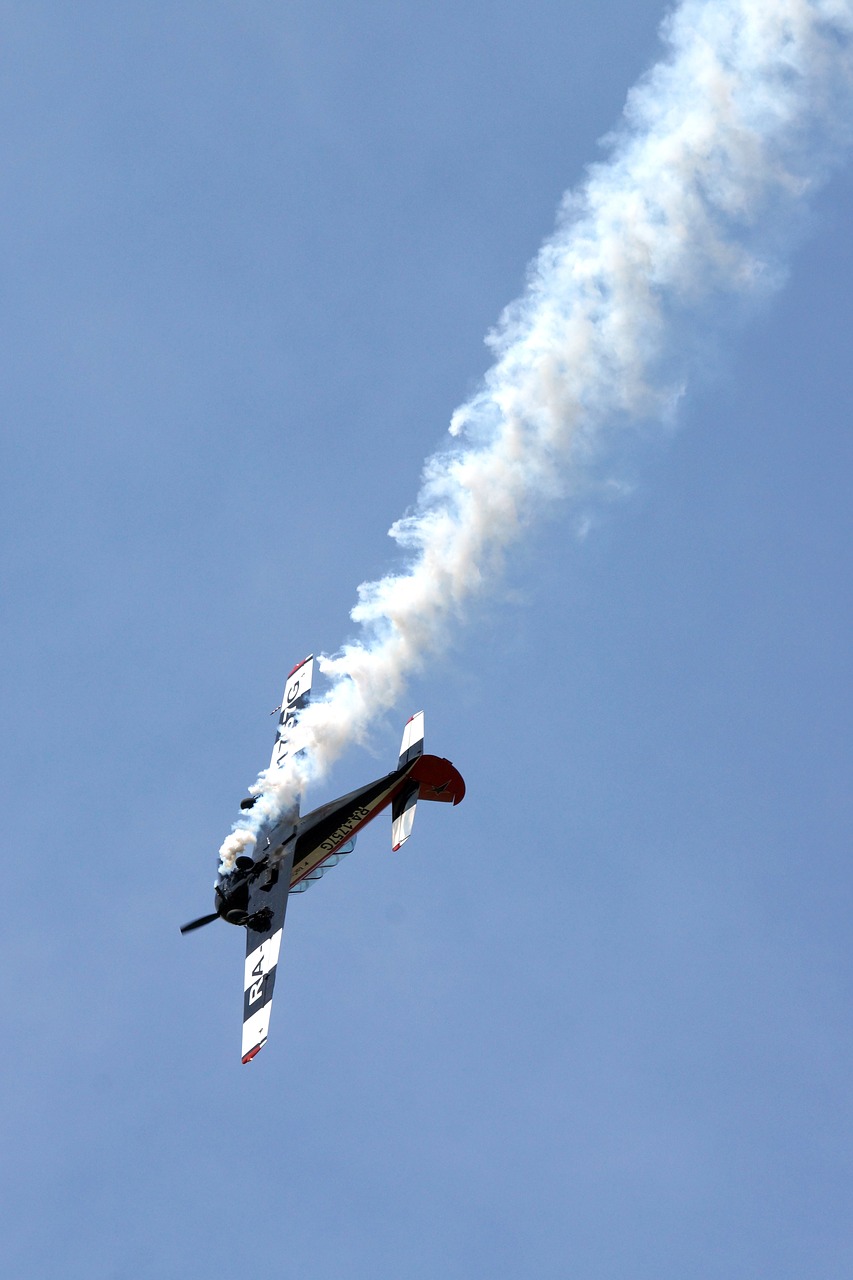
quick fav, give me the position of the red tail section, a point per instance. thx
(438, 779)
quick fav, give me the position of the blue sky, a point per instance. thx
(596, 1021)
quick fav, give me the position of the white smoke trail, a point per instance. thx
(720, 146)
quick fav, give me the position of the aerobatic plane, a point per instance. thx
(292, 852)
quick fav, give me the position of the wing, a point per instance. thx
(267, 905)
(268, 893)
(296, 694)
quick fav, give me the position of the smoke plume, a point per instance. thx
(721, 146)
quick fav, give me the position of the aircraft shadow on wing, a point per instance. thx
(294, 852)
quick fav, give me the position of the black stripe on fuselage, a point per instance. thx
(320, 833)
(317, 835)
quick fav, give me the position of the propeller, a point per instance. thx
(196, 924)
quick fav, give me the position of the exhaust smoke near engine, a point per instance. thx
(720, 148)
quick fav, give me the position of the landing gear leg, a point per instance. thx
(260, 921)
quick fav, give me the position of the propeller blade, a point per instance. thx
(196, 924)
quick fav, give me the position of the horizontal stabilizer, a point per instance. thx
(412, 745)
(438, 780)
(403, 814)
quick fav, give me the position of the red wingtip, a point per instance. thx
(251, 1054)
(293, 672)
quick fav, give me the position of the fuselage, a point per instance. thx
(318, 836)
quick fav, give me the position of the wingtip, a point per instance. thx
(296, 668)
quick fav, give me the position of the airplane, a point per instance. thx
(293, 852)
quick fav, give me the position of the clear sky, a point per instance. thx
(594, 1023)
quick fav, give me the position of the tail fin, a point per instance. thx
(437, 779)
(431, 778)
